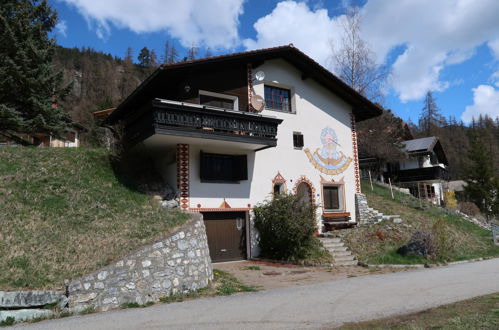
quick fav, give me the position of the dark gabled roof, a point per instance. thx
(420, 145)
(362, 107)
(426, 145)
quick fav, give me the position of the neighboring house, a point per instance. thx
(423, 171)
(70, 139)
(101, 115)
(231, 131)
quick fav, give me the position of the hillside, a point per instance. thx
(65, 213)
(98, 81)
(456, 238)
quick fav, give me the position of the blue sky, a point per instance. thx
(448, 46)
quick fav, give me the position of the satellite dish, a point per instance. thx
(259, 76)
(257, 102)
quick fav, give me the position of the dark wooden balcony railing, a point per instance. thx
(192, 120)
(421, 174)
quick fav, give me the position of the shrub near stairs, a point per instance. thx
(285, 227)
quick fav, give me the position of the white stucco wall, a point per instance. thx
(315, 109)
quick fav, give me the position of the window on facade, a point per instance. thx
(277, 98)
(218, 167)
(216, 101)
(297, 140)
(278, 189)
(332, 198)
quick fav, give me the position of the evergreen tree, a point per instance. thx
(30, 87)
(430, 119)
(482, 183)
(144, 57)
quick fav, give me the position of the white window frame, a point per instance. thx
(282, 86)
(222, 96)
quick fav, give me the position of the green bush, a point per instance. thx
(286, 226)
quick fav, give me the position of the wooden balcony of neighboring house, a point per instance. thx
(171, 122)
(434, 173)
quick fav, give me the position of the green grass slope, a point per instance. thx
(64, 213)
(456, 238)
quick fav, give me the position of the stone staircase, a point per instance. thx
(340, 253)
(376, 216)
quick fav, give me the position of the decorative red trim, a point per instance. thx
(240, 209)
(183, 175)
(250, 87)
(355, 154)
(303, 178)
(278, 178)
(224, 205)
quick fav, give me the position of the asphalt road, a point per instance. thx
(323, 305)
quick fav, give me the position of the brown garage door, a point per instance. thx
(226, 235)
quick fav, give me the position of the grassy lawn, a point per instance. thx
(477, 313)
(64, 213)
(377, 244)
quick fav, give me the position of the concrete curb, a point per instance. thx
(426, 265)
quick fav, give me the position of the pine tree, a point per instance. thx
(430, 119)
(144, 57)
(482, 185)
(170, 54)
(30, 87)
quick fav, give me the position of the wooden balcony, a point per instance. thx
(194, 121)
(433, 173)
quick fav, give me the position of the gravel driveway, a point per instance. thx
(321, 305)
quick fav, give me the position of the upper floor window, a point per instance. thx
(297, 140)
(277, 98)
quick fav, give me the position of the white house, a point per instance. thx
(424, 172)
(231, 131)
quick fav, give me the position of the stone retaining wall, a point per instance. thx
(361, 209)
(178, 263)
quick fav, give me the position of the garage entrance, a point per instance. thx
(226, 232)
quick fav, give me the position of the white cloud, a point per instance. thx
(434, 34)
(212, 23)
(61, 28)
(485, 102)
(294, 22)
(495, 78)
(494, 46)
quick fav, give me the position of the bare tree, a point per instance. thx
(355, 63)
(431, 118)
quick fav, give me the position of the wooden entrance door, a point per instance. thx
(304, 192)
(226, 232)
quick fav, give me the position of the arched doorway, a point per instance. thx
(304, 191)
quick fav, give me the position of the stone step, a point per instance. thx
(330, 240)
(333, 245)
(387, 217)
(337, 254)
(344, 258)
(338, 249)
(346, 263)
